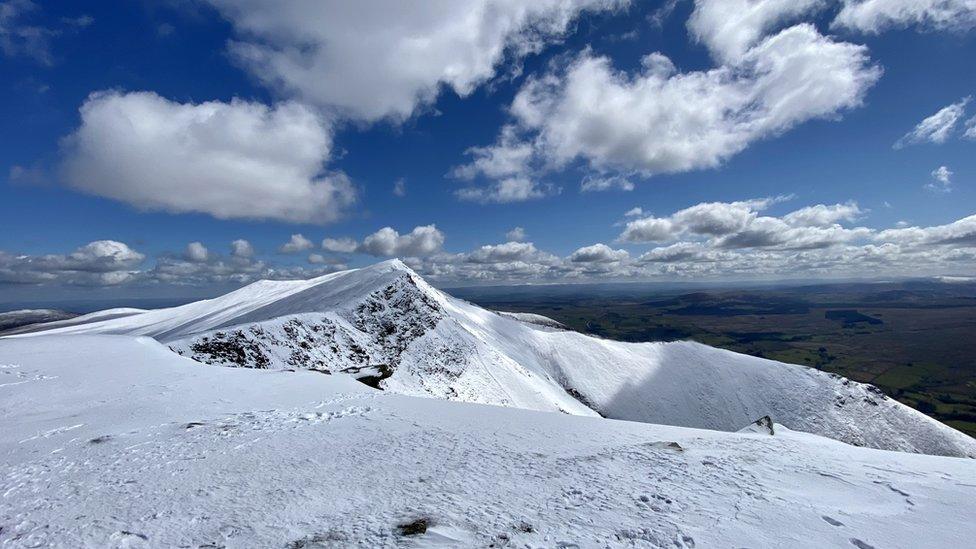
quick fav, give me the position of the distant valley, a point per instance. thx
(913, 339)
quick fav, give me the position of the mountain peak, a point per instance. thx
(386, 326)
(391, 265)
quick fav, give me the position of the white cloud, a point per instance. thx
(512, 189)
(822, 215)
(297, 243)
(517, 234)
(707, 218)
(730, 27)
(598, 253)
(961, 232)
(372, 59)
(767, 247)
(874, 16)
(229, 160)
(970, 132)
(943, 180)
(339, 245)
(98, 263)
(936, 128)
(104, 255)
(661, 14)
(717, 218)
(648, 229)
(196, 251)
(677, 252)
(504, 253)
(606, 183)
(634, 212)
(771, 232)
(735, 225)
(659, 120)
(400, 187)
(421, 241)
(508, 157)
(241, 248)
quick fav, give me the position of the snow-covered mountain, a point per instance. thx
(117, 442)
(388, 327)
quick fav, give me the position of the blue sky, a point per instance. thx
(228, 120)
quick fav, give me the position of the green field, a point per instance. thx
(915, 340)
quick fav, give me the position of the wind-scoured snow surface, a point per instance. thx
(115, 441)
(387, 326)
(533, 318)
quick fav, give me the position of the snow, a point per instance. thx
(385, 318)
(262, 300)
(533, 318)
(115, 441)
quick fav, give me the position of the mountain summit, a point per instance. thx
(386, 326)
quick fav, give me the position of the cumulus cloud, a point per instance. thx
(297, 243)
(936, 128)
(874, 16)
(178, 271)
(509, 156)
(512, 189)
(241, 248)
(730, 27)
(196, 251)
(771, 232)
(707, 218)
(373, 59)
(504, 253)
(229, 160)
(102, 262)
(678, 252)
(648, 229)
(961, 232)
(239, 268)
(735, 225)
(768, 247)
(634, 212)
(517, 234)
(821, 215)
(102, 255)
(598, 253)
(339, 245)
(387, 242)
(804, 243)
(942, 180)
(659, 120)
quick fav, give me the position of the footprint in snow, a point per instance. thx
(832, 521)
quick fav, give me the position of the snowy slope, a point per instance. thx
(114, 441)
(89, 318)
(386, 323)
(533, 318)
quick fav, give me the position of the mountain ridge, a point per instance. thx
(388, 326)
